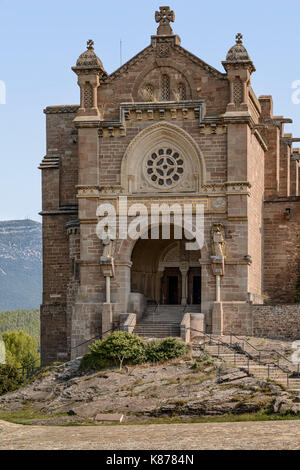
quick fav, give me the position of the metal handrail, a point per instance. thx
(243, 351)
(100, 336)
(262, 350)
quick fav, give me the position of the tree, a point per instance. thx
(10, 379)
(121, 348)
(21, 349)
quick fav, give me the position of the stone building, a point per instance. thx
(168, 128)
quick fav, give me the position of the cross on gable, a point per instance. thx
(164, 17)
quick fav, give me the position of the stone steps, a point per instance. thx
(168, 313)
(157, 330)
(259, 371)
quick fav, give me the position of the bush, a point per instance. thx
(119, 348)
(10, 378)
(166, 349)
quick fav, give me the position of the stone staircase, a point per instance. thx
(163, 320)
(157, 330)
(259, 371)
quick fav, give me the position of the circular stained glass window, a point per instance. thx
(165, 167)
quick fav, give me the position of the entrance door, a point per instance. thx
(171, 287)
(172, 292)
(194, 286)
(196, 290)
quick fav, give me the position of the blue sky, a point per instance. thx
(40, 41)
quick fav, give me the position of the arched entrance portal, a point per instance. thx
(165, 273)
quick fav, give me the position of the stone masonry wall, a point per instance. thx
(276, 321)
(281, 249)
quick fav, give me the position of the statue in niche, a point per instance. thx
(108, 244)
(218, 242)
(218, 249)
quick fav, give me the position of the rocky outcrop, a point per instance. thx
(145, 392)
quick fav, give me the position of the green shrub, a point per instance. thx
(10, 378)
(122, 348)
(203, 362)
(166, 349)
(118, 348)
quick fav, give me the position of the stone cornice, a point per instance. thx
(71, 211)
(239, 117)
(87, 192)
(64, 108)
(152, 111)
(50, 161)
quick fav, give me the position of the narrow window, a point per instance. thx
(165, 88)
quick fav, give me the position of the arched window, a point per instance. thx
(165, 88)
(149, 92)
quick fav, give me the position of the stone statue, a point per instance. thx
(108, 243)
(218, 243)
(218, 249)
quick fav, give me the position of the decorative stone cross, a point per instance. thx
(90, 44)
(164, 17)
(239, 38)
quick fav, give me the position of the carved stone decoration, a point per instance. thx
(219, 204)
(88, 96)
(163, 49)
(218, 249)
(237, 91)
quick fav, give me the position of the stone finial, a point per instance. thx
(239, 38)
(164, 17)
(88, 59)
(238, 55)
(90, 44)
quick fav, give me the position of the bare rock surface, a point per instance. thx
(65, 394)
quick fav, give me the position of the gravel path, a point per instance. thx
(269, 435)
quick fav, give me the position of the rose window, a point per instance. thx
(165, 167)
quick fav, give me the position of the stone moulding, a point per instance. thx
(87, 192)
(65, 108)
(146, 111)
(50, 162)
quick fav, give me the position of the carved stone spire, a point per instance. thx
(164, 17)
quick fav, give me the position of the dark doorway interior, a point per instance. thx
(172, 294)
(171, 287)
(194, 286)
(196, 290)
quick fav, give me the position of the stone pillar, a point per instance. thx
(217, 319)
(184, 272)
(107, 316)
(218, 288)
(197, 323)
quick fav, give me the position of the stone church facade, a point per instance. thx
(168, 128)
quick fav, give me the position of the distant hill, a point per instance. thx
(20, 264)
(25, 320)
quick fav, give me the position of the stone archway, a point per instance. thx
(159, 272)
(162, 158)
